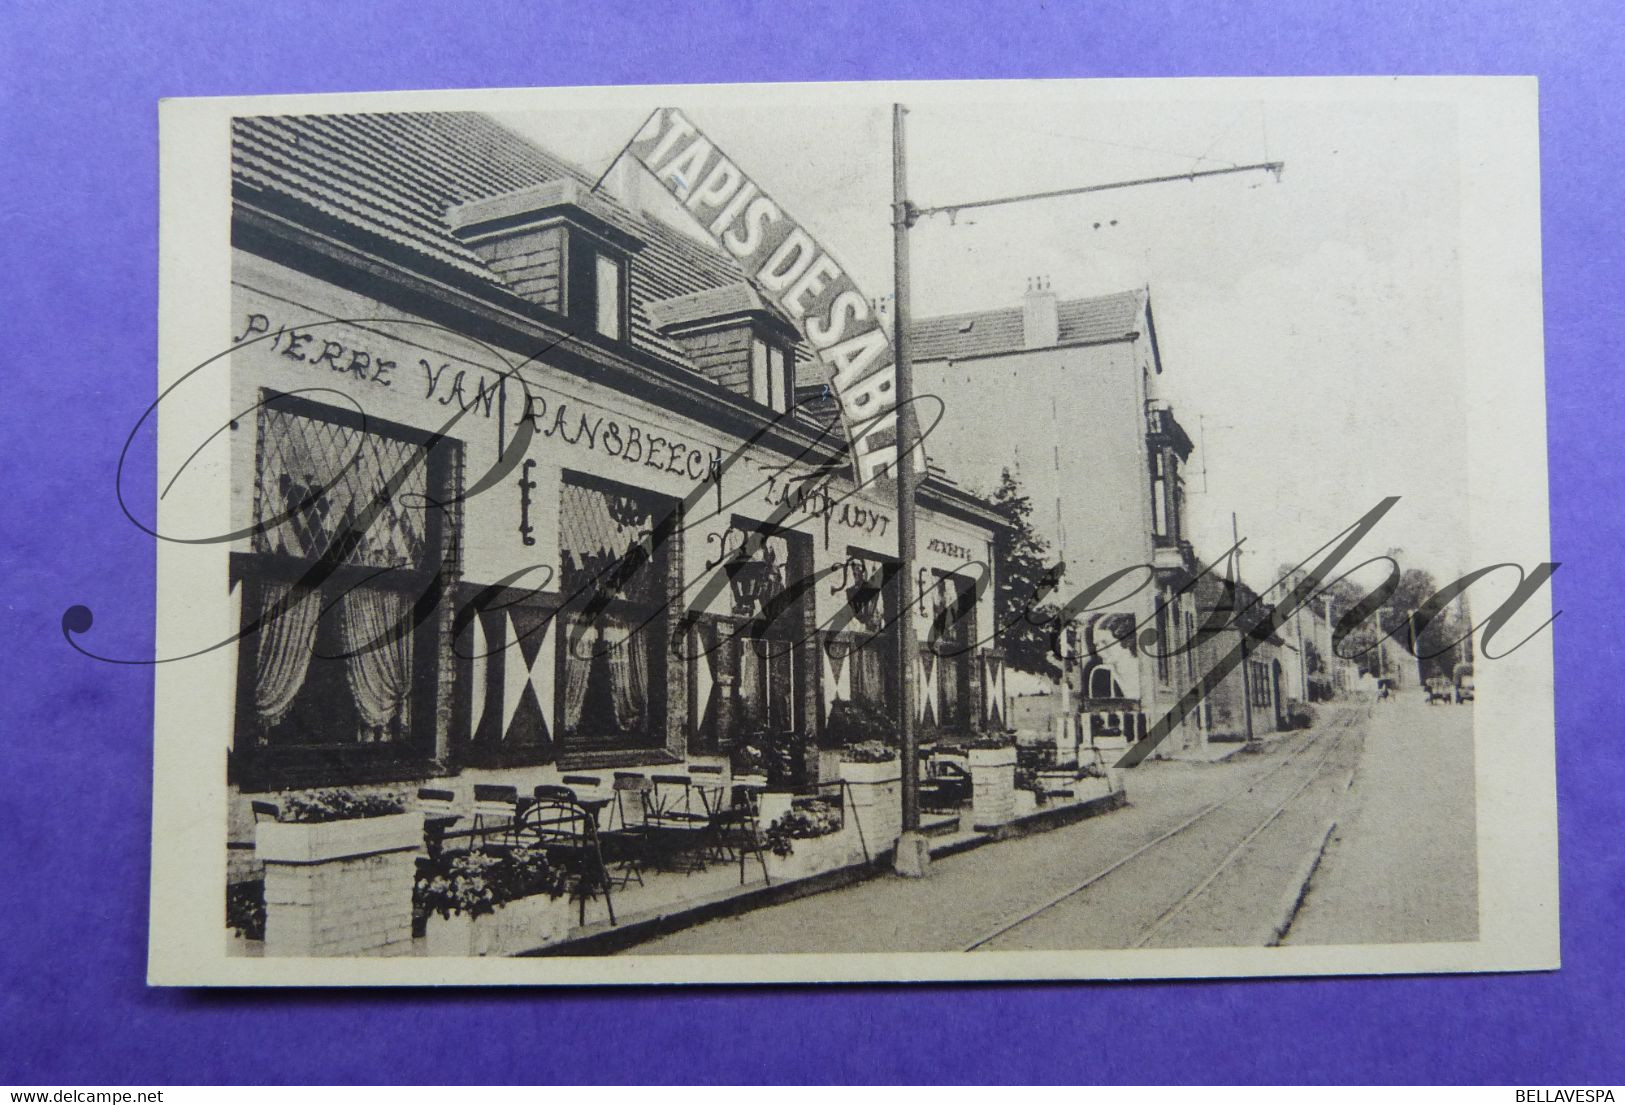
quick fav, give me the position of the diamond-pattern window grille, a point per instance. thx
(596, 529)
(319, 476)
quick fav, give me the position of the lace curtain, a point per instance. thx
(379, 664)
(628, 673)
(282, 654)
(580, 644)
(625, 658)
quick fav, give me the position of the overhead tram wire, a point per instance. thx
(953, 209)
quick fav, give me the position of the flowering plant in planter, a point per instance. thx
(867, 752)
(991, 740)
(1030, 760)
(775, 755)
(475, 883)
(245, 908)
(320, 806)
(852, 722)
(806, 819)
(747, 759)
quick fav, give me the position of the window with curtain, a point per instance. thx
(615, 551)
(336, 664)
(953, 613)
(874, 645)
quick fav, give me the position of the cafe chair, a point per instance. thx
(495, 808)
(676, 812)
(439, 815)
(569, 835)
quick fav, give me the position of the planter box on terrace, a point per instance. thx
(513, 927)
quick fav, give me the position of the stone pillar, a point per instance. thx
(993, 786)
(339, 888)
(876, 792)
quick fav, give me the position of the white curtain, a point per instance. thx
(628, 672)
(282, 656)
(379, 668)
(580, 644)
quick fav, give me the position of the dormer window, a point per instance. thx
(558, 247)
(734, 339)
(597, 293)
(770, 381)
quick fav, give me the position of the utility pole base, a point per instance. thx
(913, 857)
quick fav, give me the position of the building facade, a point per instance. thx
(1104, 474)
(519, 489)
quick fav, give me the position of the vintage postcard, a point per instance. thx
(1008, 530)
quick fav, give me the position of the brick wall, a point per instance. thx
(360, 905)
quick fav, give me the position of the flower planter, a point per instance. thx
(875, 792)
(511, 928)
(888, 771)
(1087, 790)
(813, 855)
(339, 888)
(993, 786)
(1073, 789)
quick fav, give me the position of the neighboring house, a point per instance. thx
(1318, 673)
(412, 294)
(1101, 457)
(1254, 692)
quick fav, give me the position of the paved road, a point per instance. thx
(1402, 865)
(1206, 854)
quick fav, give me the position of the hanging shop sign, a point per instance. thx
(793, 271)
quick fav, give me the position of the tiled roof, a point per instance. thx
(984, 333)
(733, 299)
(394, 176)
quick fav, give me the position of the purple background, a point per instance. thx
(78, 261)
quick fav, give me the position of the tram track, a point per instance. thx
(1320, 750)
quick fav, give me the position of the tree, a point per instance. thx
(1025, 621)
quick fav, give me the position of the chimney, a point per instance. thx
(1040, 320)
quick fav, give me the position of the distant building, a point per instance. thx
(1251, 698)
(1101, 458)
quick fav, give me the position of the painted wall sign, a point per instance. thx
(949, 548)
(625, 439)
(797, 274)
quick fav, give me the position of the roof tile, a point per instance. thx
(987, 333)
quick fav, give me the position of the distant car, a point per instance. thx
(1464, 683)
(1439, 690)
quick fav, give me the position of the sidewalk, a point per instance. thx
(732, 905)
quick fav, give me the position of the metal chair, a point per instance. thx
(737, 828)
(679, 820)
(496, 807)
(439, 815)
(569, 834)
(585, 784)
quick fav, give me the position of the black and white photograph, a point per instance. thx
(853, 532)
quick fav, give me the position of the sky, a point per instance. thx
(1310, 328)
